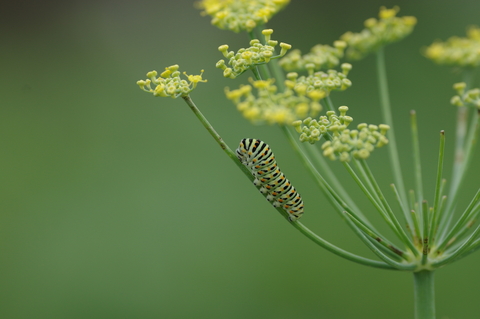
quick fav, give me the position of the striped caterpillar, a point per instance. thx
(259, 159)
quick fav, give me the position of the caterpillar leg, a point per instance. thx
(276, 203)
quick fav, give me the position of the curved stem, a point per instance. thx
(464, 247)
(337, 202)
(338, 251)
(304, 230)
(377, 239)
(217, 137)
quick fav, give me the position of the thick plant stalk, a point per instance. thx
(424, 294)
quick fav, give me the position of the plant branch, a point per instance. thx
(387, 117)
(304, 230)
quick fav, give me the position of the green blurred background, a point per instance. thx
(116, 204)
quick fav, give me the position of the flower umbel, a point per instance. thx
(246, 59)
(271, 107)
(377, 33)
(342, 142)
(322, 56)
(432, 232)
(320, 82)
(466, 98)
(169, 82)
(239, 15)
(457, 51)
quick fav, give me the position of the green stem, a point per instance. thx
(405, 211)
(217, 137)
(461, 131)
(278, 74)
(338, 251)
(416, 160)
(368, 183)
(412, 201)
(329, 103)
(453, 243)
(464, 247)
(321, 164)
(304, 230)
(438, 189)
(473, 247)
(371, 196)
(337, 202)
(417, 240)
(375, 200)
(387, 117)
(424, 294)
(256, 73)
(396, 227)
(251, 34)
(460, 223)
(378, 238)
(454, 191)
(425, 239)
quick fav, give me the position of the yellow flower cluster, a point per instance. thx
(271, 107)
(169, 83)
(239, 15)
(341, 142)
(456, 51)
(321, 82)
(466, 98)
(246, 59)
(377, 33)
(322, 56)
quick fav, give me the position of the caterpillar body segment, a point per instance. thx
(258, 157)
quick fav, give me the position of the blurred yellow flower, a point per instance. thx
(456, 51)
(239, 15)
(377, 33)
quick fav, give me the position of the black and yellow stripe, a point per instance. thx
(259, 159)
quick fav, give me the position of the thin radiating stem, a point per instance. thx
(322, 166)
(387, 117)
(405, 211)
(304, 230)
(398, 228)
(438, 189)
(460, 223)
(329, 103)
(337, 201)
(338, 251)
(217, 137)
(458, 252)
(378, 238)
(460, 134)
(425, 238)
(416, 159)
